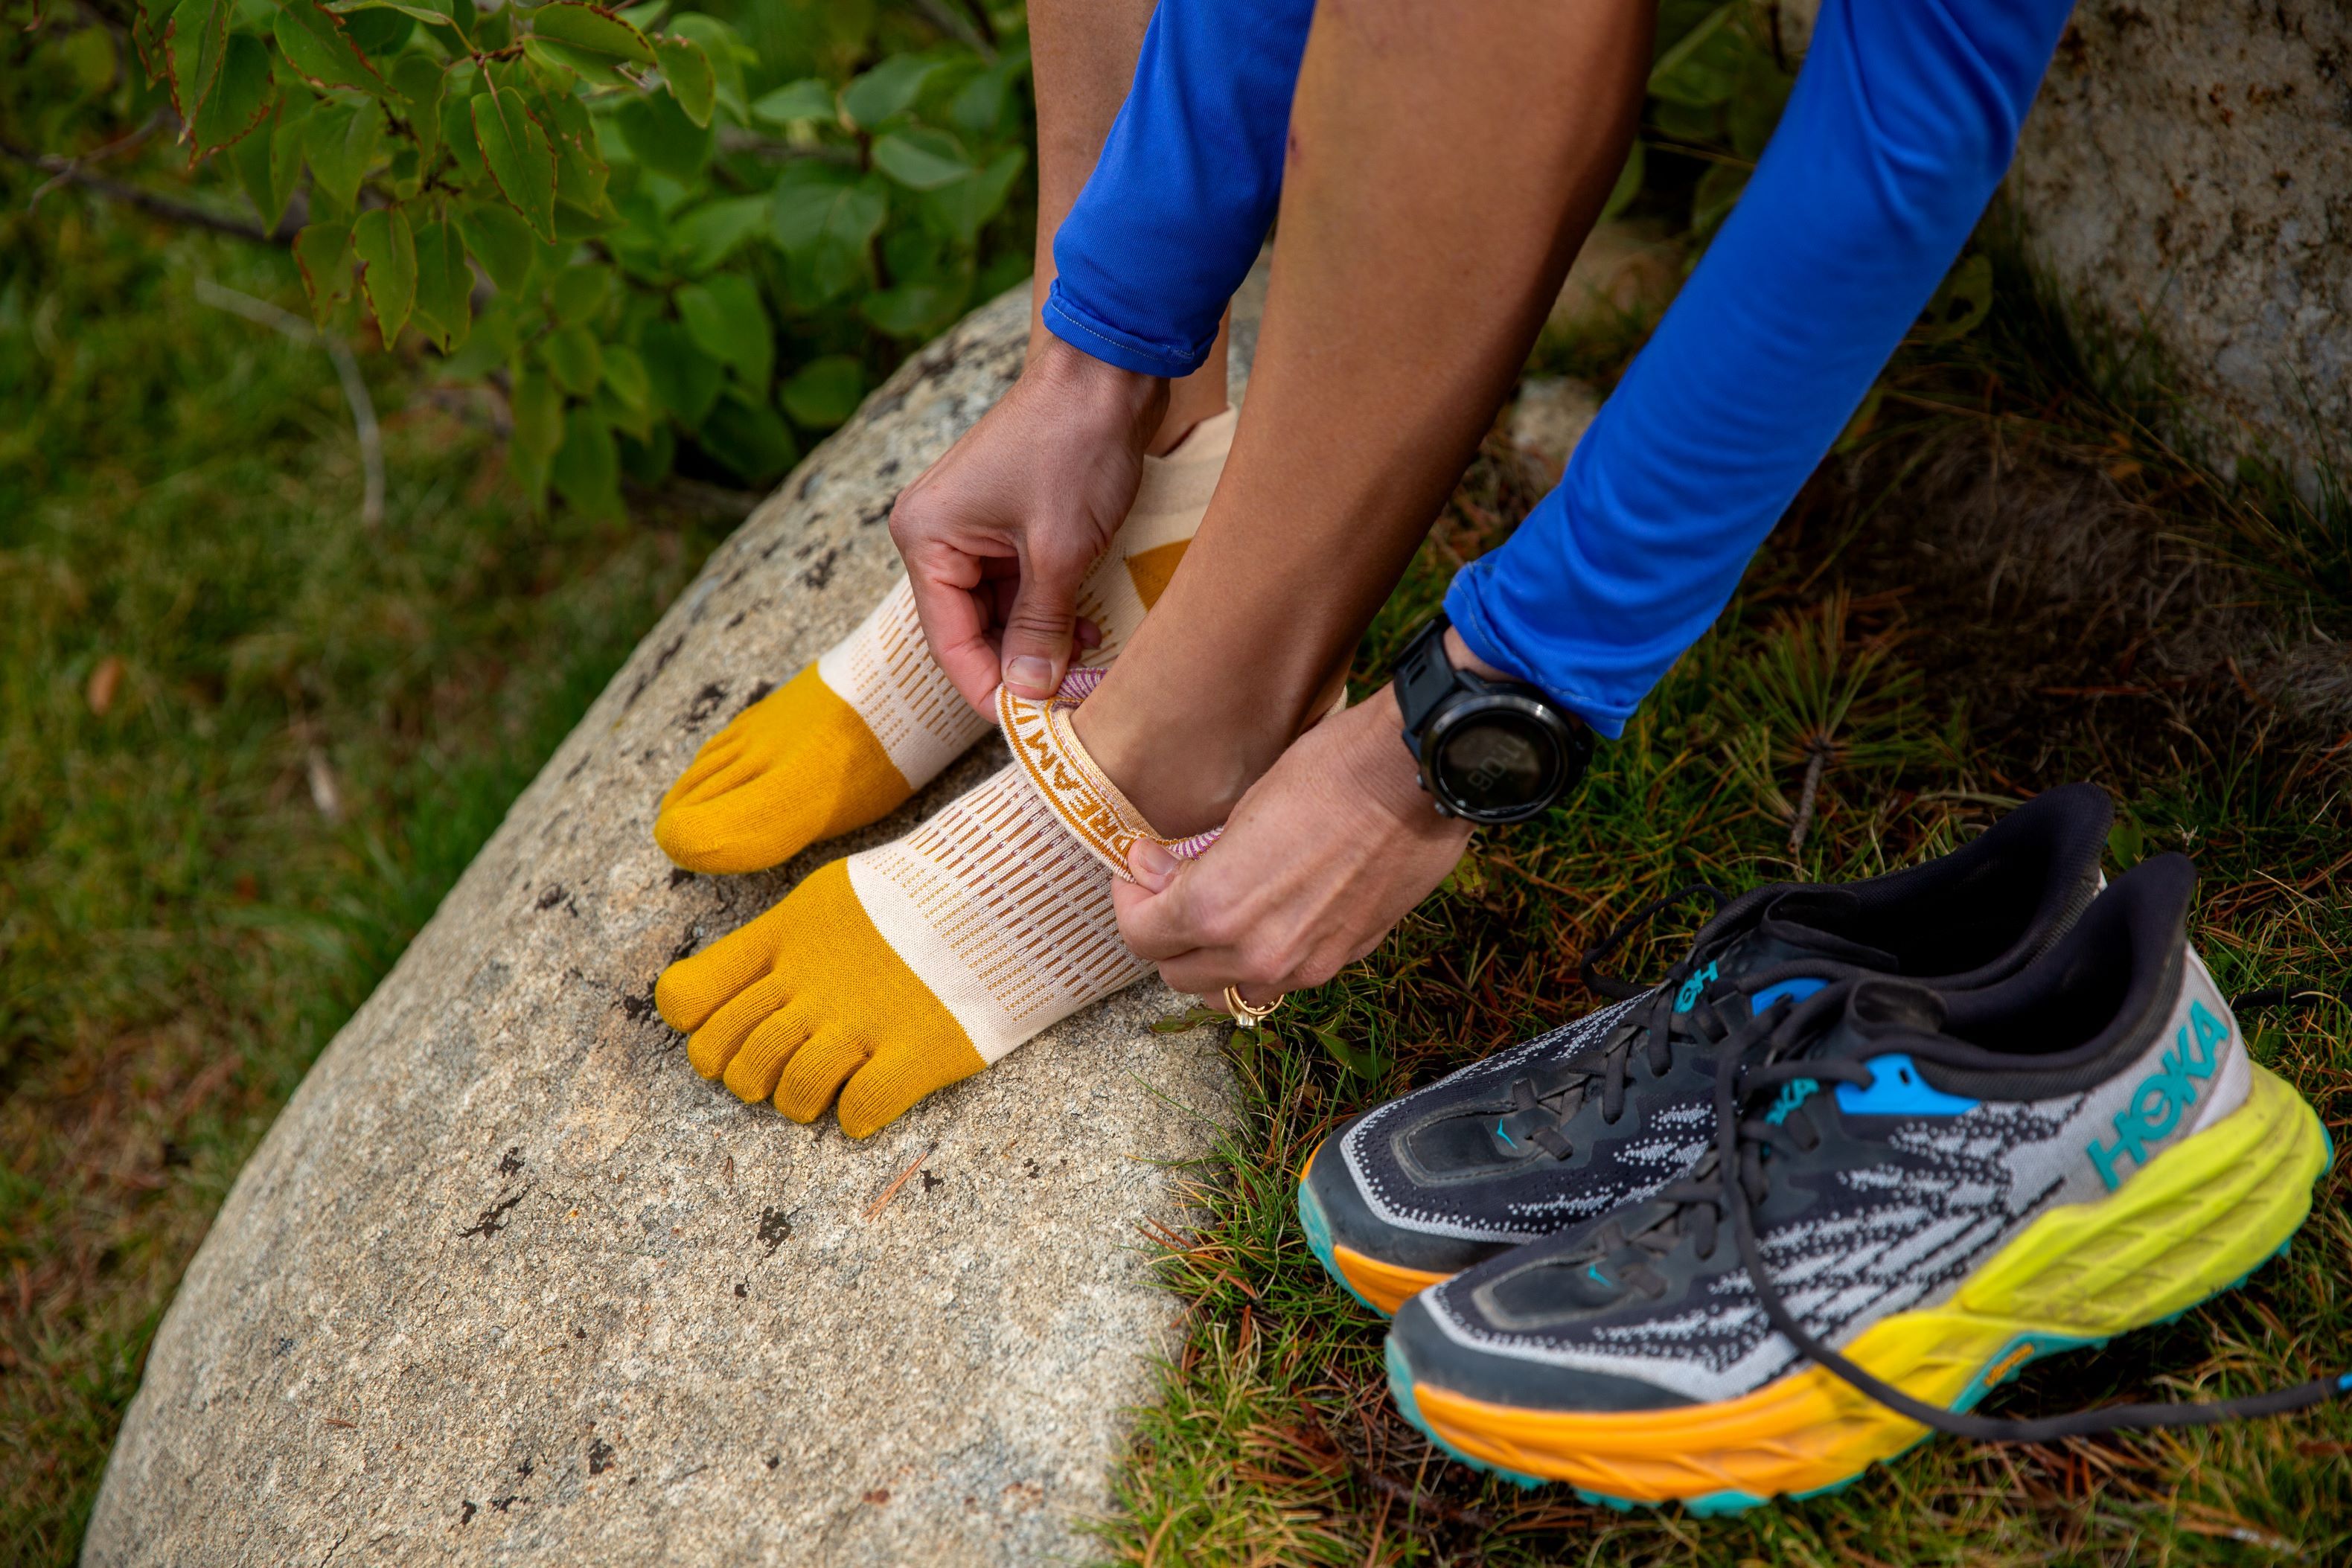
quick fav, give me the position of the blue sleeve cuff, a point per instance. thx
(1090, 334)
(1485, 638)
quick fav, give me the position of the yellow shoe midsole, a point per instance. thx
(2197, 1218)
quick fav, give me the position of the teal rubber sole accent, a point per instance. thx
(1318, 1230)
(1401, 1390)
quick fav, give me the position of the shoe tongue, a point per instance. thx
(1878, 1014)
(1793, 927)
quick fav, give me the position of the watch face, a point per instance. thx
(1495, 762)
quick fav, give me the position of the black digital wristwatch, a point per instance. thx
(1489, 750)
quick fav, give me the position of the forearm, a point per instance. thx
(1181, 199)
(1902, 121)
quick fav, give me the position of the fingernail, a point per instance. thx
(1029, 675)
(1152, 863)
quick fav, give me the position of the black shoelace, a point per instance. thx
(1647, 1027)
(1701, 1198)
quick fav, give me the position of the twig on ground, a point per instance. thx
(347, 371)
(874, 1209)
(1803, 823)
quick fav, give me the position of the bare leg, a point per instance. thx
(1443, 168)
(1084, 59)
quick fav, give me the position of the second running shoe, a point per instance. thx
(1910, 1194)
(1612, 1105)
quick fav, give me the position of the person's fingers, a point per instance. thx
(1042, 623)
(953, 625)
(1155, 917)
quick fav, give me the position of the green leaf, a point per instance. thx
(574, 223)
(500, 241)
(444, 286)
(88, 55)
(429, 15)
(1757, 102)
(562, 63)
(419, 79)
(578, 293)
(916, 309)
(1715, 195)
(647, 460)
(538, 412)
(315, 43)
(1628, 185)
(286, 144)
(2126, 839)
(979, 104)
(458, 135)
(684, 380)
(624, 374)
(921, 159)
(197, 41)
(1703, 66)
(587, 467)
(825, 220)
(724, 48)
(687, 70)
(663, 139)
(572, 357)
(711, 233)
(323, 252)
(342, 141)
(520, 158)
(240, 98)
(379, 31)
(824, 392)
(730, 325)
(972, 201)
(748, 437)
(1681, 123)
(886, 89)
(1364, 1061)
(597, 34)
(386, 249)
(1961, 302)
(811, 98)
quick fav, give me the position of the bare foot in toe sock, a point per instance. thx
(850, 738)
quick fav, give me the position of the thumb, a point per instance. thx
(1152, 917)
(1041, 624)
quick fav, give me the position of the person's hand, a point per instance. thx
(998, 534)
(1321, 858)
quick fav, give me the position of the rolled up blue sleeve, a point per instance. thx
(1180, 203)
(1903, 118)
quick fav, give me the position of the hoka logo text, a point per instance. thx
(1687, 997)
(2157, 1104)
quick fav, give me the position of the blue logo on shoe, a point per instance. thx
(1792, 1095)
(1687, 997)
(2155, 1105)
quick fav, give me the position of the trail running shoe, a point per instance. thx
(1614, 1104)
(1935, 1188)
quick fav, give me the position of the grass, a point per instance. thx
(1928, 643)
(245, 744)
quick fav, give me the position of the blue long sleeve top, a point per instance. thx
(1903, 120)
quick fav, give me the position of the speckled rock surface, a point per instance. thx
(509, 1283)
(2188, 166)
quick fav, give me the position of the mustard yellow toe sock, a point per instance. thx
(891, 974)
(853, 736)
(797, 766)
